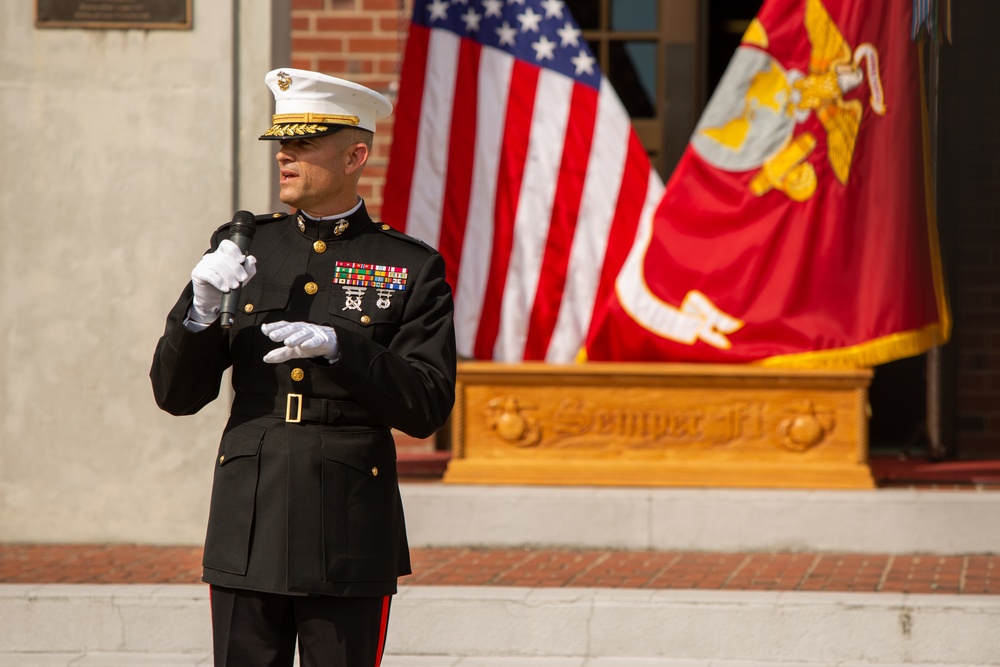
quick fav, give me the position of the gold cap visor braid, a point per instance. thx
(287, 125)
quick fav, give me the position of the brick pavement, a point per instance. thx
(837, 572)
(143, 564)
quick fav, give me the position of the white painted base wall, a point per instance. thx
(121, 156)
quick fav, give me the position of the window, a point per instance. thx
(648, 50)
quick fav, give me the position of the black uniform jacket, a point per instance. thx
(308, 502)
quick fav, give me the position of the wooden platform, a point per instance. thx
(660, 425)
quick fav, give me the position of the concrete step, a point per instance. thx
(526, 627)
(892, 521)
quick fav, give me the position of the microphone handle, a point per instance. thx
(231, 299)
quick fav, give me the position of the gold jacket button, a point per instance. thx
(248, 308)
(365, 319)
(374, 471)
(298, 374)
(311, 288)
(221, 459)
(319, 246)
(385, 228)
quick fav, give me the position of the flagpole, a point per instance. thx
(938, 440)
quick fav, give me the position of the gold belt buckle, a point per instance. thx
(298, 409)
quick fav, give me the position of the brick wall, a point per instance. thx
(969, 205)
(362, 41)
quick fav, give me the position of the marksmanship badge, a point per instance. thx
(383, 298)
(353, 299)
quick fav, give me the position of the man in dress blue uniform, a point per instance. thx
(344, 329)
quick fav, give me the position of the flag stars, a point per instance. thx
(529, 20)
(584, 63)
(553, 8)
(569, 35)
(438, 10)
(507, 34)
(551, 46)
(471, 19)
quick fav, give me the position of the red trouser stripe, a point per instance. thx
(383, 627)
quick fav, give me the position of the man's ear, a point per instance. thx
(357, 157)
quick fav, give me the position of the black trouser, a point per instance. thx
(253, 629)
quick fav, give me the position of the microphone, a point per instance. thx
(241, 232)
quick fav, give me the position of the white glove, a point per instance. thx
(302, 340)
(217, 273)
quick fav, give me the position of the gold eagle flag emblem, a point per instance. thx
(761, 132)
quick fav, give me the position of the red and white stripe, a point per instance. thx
(531, 186)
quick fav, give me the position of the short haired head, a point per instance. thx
(313, 104)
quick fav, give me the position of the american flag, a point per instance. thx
(513, 156)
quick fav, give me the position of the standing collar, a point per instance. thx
(334, 227)
(337, 216)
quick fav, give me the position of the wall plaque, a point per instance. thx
(114, 14)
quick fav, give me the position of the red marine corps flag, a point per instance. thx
(515, 158)
(796, 229)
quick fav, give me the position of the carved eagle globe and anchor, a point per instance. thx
(807, 428)
(504, 416)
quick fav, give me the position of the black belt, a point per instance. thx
(295, 408)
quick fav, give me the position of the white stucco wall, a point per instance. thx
(119, 159)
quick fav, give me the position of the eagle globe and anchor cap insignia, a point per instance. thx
(284, 81)
(750, 122)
